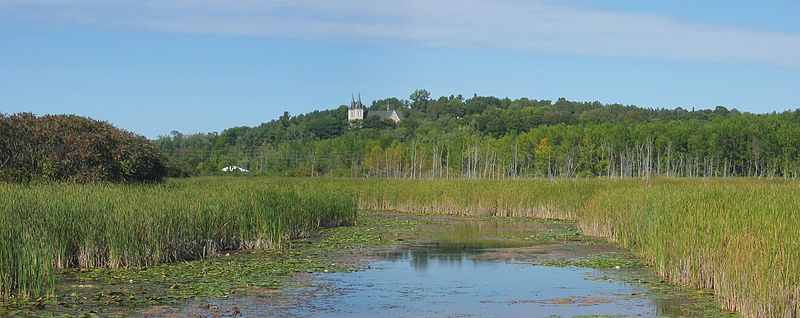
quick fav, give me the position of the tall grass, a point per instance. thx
(528, 197)
(47, 227)
(739, 238)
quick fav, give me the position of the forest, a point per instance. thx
(490, 137)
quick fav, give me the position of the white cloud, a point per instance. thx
(539, 27)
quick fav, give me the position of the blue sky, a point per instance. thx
(198, 66)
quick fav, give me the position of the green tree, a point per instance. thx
(419, 99)
(543, 154)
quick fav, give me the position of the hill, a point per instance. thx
(490, 137)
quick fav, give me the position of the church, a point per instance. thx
(357, 111)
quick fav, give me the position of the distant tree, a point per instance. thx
(377, 123)
(419, 99)
(543, 154)
(285, 119)
(390, 103)
(326, 127)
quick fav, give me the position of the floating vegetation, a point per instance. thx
(601, 260)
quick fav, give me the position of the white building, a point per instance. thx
(357, 111)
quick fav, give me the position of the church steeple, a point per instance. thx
(356, 111)
(356, 104)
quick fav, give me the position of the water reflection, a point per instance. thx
(447, 281)
(455, 245)
(419, 258)
(452, 276)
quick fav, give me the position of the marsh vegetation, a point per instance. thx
(49, 227)
(734, 237)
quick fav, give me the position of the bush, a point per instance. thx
(75, 149)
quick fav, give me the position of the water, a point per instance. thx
(430, 282)
(472, 269)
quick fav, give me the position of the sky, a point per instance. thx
(154, 66)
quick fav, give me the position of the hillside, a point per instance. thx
(490, 137)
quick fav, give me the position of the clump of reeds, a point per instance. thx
(737, 238)
(47, 227)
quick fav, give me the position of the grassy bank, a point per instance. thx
(46, 227)
(736, 237)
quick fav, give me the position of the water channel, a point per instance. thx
(476, 269)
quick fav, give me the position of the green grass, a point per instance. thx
(48, 227)
(739, 238)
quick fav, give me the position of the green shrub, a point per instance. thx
(75, 149)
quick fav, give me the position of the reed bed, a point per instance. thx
(48, 227)
(739, 238)
(542, 198)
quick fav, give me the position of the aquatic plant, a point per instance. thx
(738, 239)
(47, 227)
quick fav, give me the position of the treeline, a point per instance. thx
(488, 137)
(74, 149)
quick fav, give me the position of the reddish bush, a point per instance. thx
(74, 148)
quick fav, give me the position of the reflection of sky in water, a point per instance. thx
(430, 282)
(443, 279)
